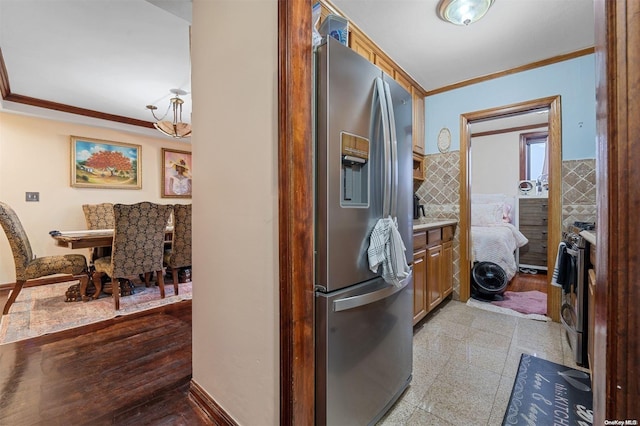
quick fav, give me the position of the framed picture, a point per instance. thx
(104, 164)
(176, 174)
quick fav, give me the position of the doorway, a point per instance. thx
(552, 104)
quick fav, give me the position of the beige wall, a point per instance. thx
(35, 155)
(235, 304)
(495, 164)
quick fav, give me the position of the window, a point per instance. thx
(534, 164)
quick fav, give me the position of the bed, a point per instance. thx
(494, 238)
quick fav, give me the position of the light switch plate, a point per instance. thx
(33, 196)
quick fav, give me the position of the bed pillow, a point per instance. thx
(487, 214)
(506, 213)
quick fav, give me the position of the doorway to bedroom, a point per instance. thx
(510, 175)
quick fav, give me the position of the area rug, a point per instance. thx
(546, 393)
(493, 308)
(525, 302)
(42, 310)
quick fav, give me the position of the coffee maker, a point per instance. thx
(417, 207)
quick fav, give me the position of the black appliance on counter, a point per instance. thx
(417, 208)
(573, 277)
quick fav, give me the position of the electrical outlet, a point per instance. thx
(33, 196)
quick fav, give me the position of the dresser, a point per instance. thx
(533, 223)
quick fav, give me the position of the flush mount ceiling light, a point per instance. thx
(176, 128)
(463, 12)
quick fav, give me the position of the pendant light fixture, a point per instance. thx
(463, 12)
(176, 128)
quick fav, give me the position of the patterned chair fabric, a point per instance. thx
(138, 246)
(180, 254)
(28, 267)
(99, 216)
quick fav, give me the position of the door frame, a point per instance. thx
(555, 189)
(618, 257)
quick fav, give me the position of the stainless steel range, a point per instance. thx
(572, 276)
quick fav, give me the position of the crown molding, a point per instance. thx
(7, 95)
(537, 64)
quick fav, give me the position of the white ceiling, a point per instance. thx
(117, 56)
(437, 54)
(111, 56)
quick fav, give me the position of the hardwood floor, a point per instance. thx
(528, 282)
(123, 371)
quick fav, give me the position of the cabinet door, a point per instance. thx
(384, 65)
(404, 82)
(447, 269)
(434, 274)
(419, 285)
(361, 46)
(418, 122)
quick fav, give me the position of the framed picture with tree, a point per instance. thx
(105, 164)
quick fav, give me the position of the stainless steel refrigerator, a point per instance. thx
(363, 325)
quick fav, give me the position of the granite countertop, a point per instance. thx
(587, 235)
(427, 223)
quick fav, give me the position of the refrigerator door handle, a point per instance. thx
(368, 298)
(382, 99)
(394, 151)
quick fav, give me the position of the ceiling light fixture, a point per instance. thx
(463, 12)
(176, 128)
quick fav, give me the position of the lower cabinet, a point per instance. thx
(434, 274)
(432, 269)
(419, 291)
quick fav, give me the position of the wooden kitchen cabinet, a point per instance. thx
(434, 275)
(403, 81)
(384, 65)
(418, 121)
(419, 276)
(432, 269)
(419, 172)
(361, 46)
(447, 268)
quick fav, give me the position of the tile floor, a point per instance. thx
(464, 363)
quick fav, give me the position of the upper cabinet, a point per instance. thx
(362, 46)
(365, 47)
(418, 121)
(384, 65)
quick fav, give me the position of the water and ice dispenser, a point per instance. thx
(354, 172)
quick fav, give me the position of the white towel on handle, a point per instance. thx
(386, 248)
(556, 269)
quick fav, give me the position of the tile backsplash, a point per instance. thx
(578, 191)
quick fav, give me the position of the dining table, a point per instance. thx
(87, 239)
(90, 238)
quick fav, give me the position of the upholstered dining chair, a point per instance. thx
(180, 254)
(29, 267)
(138, 246)
(99, 216)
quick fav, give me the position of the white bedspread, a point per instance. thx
(497, 243)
